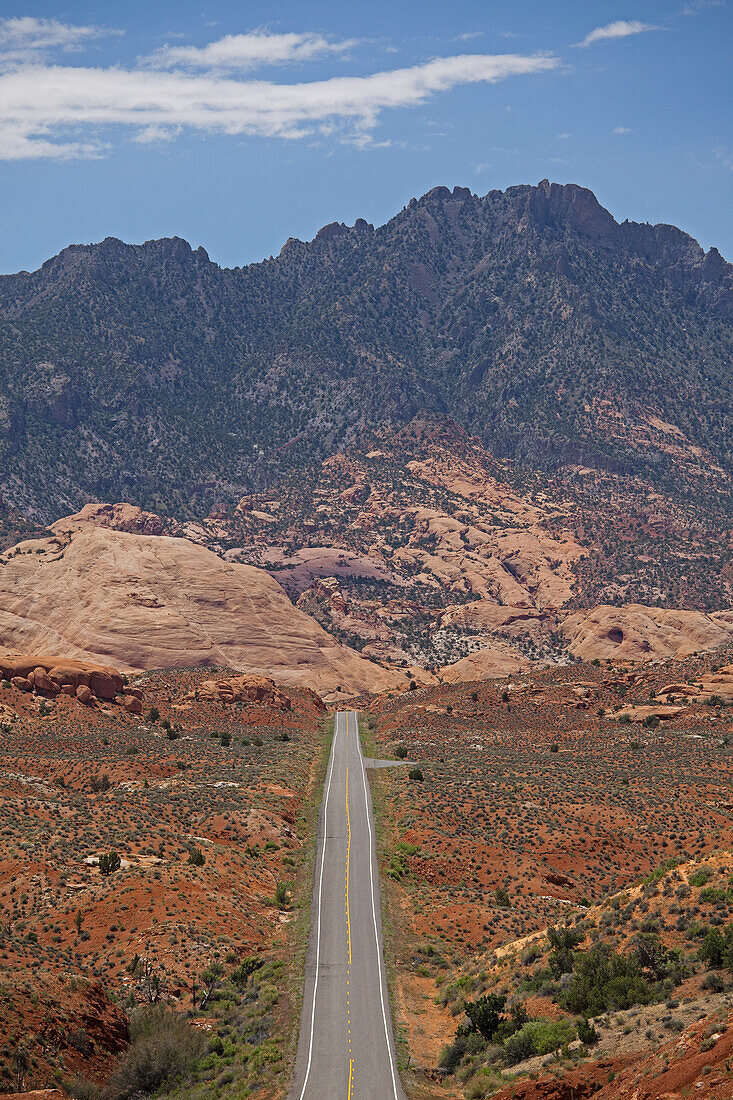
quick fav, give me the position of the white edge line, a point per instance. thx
(372, 837)
(320, 893)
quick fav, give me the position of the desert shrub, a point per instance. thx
(538, 1037)
(401, 751)
(501, 894)
(603, 981)
(282, 891)
(416, 774)
(163, 1051)
(715, 895)
(652, 955)
(196, 857)
(82, 1088)
(717, 948)
(554, 747)
(563, 941)
(452, 1054)
(110, 863)
(153, 714)
(485, 1014)
(659, 872)
(586, 1032)
(700, 878)
(249, 966)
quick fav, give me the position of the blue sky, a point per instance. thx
(237, 125)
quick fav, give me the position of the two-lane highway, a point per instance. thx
(346, 1047)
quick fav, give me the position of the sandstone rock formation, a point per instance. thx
(55, 675)
(639, 633)
(494, 660)
(243, 689)
(144, 601)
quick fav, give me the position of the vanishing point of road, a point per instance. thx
(346, 1046)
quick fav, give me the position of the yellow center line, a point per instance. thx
(348, 914)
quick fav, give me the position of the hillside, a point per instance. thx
(209, 806)
(558, 336)
(573, 797)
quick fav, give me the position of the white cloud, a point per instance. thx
(23, 38)
(41, 104)
(248, 51)
(701, 5)
(621, 130)
(724, 156)
(622, 28)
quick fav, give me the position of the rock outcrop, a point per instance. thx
(638, 633)
(55, 675)
(243, 689)
(95, 594)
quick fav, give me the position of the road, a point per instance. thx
(346, 1046)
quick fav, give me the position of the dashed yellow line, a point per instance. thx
(348, 915)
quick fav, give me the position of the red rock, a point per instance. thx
(105, 685)
(84, 694)
(21, 682)
(68, 674)
(43, 682)
(68, 689)
(245, 689)
(132, 704)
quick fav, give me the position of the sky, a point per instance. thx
(239, 124)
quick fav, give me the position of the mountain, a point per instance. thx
(558, 336)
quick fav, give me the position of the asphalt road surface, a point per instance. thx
(346, 1047)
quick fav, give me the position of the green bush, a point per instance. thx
(108, 864)
(538, 1037)
(485, 1014)
(603, 981)
(715, 895)
(282, 894)
(563, 941)
(416, 774)
(717, 948)
(501, 894)
(452, 1054)
(700, 878)
(401, 751)
(586, 1032)
(162, 1052)
(196, 857)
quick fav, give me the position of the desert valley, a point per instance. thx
(463, 479)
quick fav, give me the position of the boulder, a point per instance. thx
(84, 694)
(639, 713)
(22, 683)
(69, 674)
(42, 682)
(243, 689)
(68, 689)
(132, 704)
(679, 689)
(105, 684)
